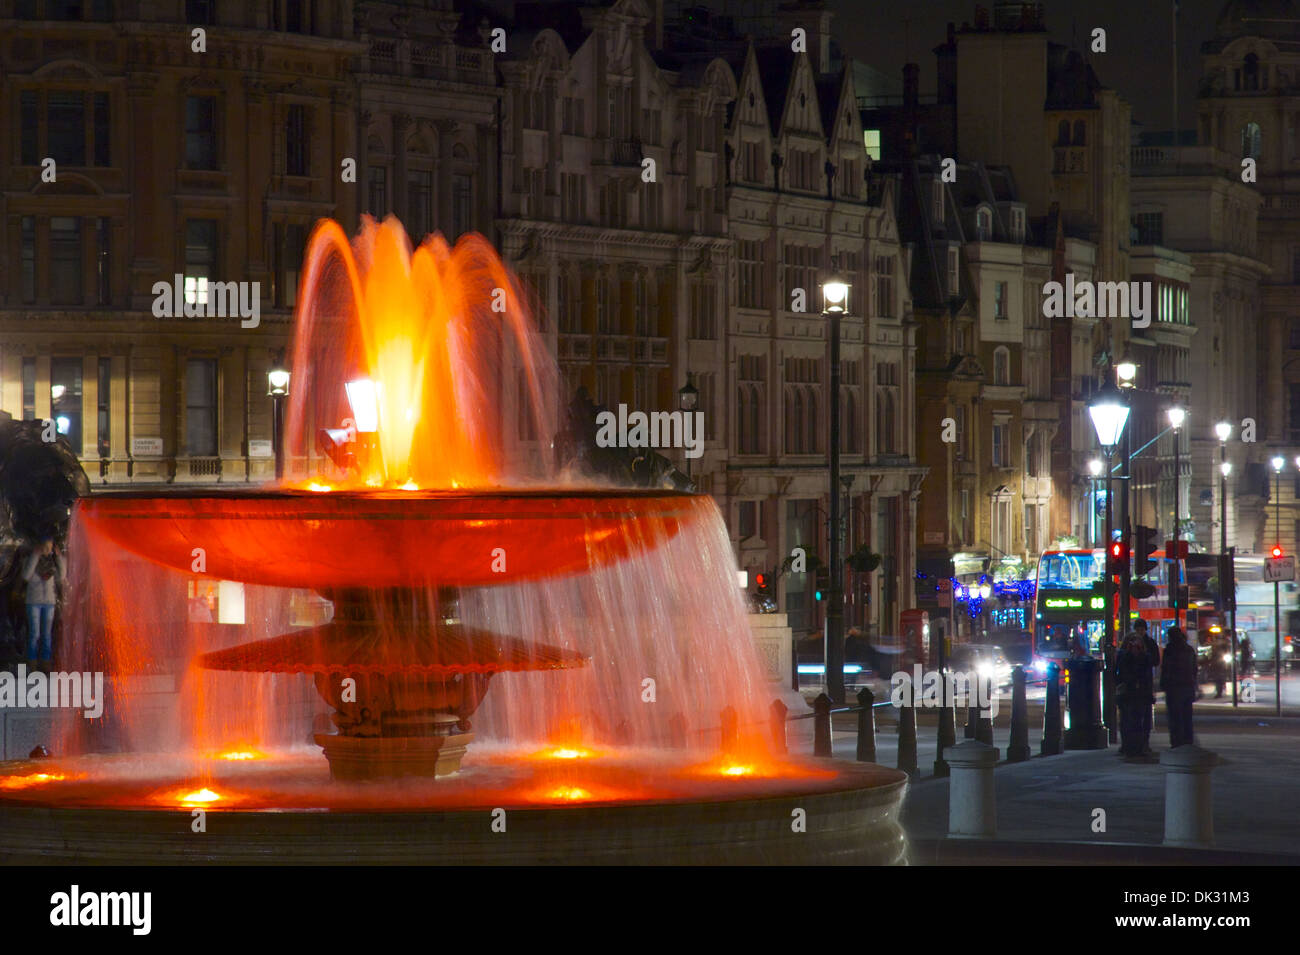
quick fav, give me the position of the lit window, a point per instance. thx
(871, 140)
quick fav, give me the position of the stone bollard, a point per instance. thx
(730, 729)
(907, 733)
(822, 725)
(1018, 747)
(972, 808)
(866, 726)
(1189, 796)
(1051, 745)
(983, 723)
(776, 716)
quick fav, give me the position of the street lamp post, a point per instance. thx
(1126, 379)
(1223, 431)
(1177, 416)
(277, 387)
(835, 302)
(688, 398)
(1095, 467)
(1278, 464)
(1109, 415)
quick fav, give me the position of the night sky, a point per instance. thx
(1137, 64)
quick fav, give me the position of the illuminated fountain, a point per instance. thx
(422, 525)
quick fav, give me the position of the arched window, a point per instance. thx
(793, 421)
(1080, 132)
(1002, 366)
(1250, 141)
(811, 431)
(1250, 72)
(1063, 133)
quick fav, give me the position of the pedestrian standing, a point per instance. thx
(44, 572)
(1153, 661)
(1178, 680)
(1247, 657)
(1135, 692)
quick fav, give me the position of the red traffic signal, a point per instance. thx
(1277, 550)
(1117, 557)
(764, 589)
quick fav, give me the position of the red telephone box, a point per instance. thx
(914, 628)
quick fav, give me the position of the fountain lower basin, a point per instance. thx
(624, 808)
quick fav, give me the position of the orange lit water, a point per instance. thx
(464, 387)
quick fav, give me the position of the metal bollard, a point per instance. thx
(1018, 747)
(776, 716)
(907, 733)
(983, 722)
(1189, 796)
(972, 808)
(1051, 744)
(822, 725)
(866, 726)
(947, 733)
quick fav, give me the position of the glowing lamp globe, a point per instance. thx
(1109, 415)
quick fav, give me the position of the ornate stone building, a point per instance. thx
(799, 209)
(135, 159)
(1249, 108)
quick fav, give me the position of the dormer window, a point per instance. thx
(936, 199)
(954, 271)
(983, 225)
(1017, 225)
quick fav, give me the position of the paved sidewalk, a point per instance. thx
(1053, 798)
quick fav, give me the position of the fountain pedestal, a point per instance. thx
(356, 758)
(402, 675)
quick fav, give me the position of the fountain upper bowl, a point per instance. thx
(381, 538)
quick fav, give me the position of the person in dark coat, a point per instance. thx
(1178, 680)
(1221, 663)
(1247, 657)
(1135, 691)
(1153, 661)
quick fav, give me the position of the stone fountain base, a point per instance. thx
(852, 820)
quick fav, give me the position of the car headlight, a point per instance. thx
(1227, 658)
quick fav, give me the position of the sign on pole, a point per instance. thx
(1279, 568)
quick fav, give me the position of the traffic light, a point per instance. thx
(1117, 558)
(1277, 551)
(823, 583)
(764, 586)
(1227, 583)
(1144, 544)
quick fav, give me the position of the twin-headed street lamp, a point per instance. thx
(1109, 414)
